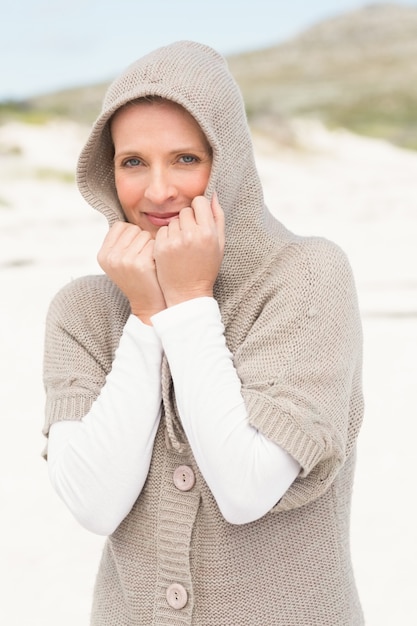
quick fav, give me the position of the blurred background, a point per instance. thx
(330, 89)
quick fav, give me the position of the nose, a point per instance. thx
(160, 187)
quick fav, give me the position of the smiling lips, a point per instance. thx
(161, 219)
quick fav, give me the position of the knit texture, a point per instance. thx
(291, 320)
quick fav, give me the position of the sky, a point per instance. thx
(47, 45)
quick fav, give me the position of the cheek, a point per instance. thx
(199, 182)
(128, 190)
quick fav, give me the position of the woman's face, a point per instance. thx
(162, 162)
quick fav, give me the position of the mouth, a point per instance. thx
(161, 219)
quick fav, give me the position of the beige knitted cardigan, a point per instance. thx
(291, 321)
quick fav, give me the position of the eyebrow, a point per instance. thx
(180, 150)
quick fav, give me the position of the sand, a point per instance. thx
(359, 192)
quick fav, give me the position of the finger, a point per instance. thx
(218, 216)
(113, 234)
(120, 234)
(217, 210)
(202, 211)
(109, 243)
(122, 245)
(148, 248)
(186, 218)
(146, 258)
(132, 237)
(134, 252)
(160, 237)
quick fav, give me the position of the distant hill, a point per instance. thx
(81, 104)
(356, 70)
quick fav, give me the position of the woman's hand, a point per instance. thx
(189, 251)
(127, 257)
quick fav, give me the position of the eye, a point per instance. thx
(188, 158)
(132, 162)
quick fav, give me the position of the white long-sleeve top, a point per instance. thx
(98, 465)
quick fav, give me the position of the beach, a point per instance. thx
(359, 192)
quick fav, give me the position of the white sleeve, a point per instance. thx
(246, 472)
(98, 465)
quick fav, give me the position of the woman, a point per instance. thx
(204, 394)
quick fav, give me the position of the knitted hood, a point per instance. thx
(196, 77)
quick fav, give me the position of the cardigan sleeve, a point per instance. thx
(300, 363)
(98, 465)
(83, 328)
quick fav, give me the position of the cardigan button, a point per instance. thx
(177, 596)
(184, 478)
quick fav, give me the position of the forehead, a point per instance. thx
(155, 117)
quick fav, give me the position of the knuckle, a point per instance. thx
(115, 260)
(206, 235)
(144, 235)
(188, 238)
